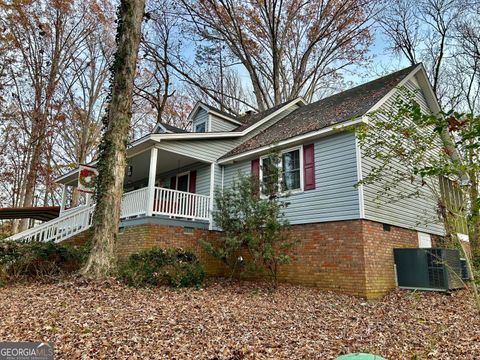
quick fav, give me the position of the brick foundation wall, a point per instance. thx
(379, 263)
(329, 256)
(146, 236)
(353, 257)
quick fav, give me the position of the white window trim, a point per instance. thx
(208, 126)
(180, 175)
(289, 192)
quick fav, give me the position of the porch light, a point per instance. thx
(130, 170)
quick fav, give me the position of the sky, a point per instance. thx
(381, 62)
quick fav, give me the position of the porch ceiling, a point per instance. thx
(166, 161)
(140, 161)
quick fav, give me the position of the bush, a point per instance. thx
(253, 225)
(153, 267)
(185, 275)
(38, 260)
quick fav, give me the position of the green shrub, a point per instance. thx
(252, 224)
(185, 275)
(38, 260)
(153, 267)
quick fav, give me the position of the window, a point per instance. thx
(200, 128)
(291, 170)
(183, 181)
(290, 165)
(269, 176)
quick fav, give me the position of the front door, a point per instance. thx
(182, 199)
(182, 182)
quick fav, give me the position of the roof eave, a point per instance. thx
(296, 139)
(199, 105)
(223, 116)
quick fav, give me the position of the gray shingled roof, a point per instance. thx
(341, 107)
(172, 128)
(213, 108)
(249, 120)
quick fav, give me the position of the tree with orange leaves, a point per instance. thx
(42, 39)
(288, 48)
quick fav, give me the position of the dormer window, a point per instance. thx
(201, 127)
(206, 118)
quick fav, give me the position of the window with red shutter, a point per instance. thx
(308, 167)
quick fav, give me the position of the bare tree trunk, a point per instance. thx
(475, 214)
(112, 158)
(31, 178)
(468, 258)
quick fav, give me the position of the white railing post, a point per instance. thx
(64, 199)
(88, 198)
(151, 180)
(212, 191)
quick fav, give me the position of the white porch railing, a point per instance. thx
(176, 203)
(134, 203)
(171, 203)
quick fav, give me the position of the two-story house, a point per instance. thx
(346, 235)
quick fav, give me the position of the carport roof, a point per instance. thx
(43, 213)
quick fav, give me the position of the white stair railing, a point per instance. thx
(172, 203)
(72, 210)
(60, 228)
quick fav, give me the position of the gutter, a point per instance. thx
(319, 133)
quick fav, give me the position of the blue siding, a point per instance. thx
(419, 213)
(203, 179)
(201, 116)
(219, 124)
(335, 196)
(233, 171)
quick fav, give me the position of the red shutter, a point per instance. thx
(192, 187)
(256, 173)
(308, 167)
(173, 182)
(256, 168)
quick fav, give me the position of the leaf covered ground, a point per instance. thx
(239, 320)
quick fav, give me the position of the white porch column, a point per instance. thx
(212, 192)
(151, 180)
(88, 198)
(64, 199)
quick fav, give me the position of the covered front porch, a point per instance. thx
(159, 185)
